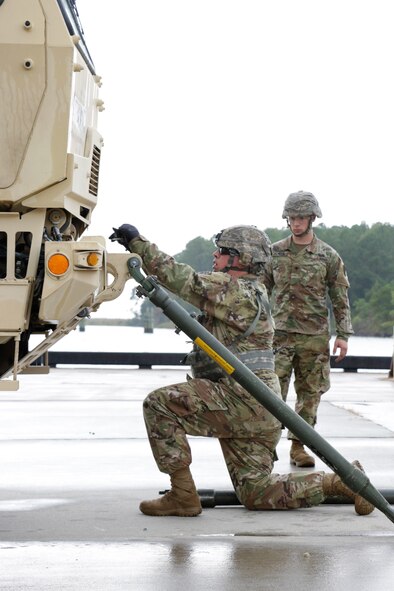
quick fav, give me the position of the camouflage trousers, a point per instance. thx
(248, 435)
(309, 357)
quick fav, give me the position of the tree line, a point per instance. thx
(368, 256)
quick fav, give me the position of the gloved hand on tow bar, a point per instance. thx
(124, 234)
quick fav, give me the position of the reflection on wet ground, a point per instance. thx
(266, 564)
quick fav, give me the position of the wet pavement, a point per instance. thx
(75, 463)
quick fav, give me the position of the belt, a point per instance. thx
(255, 360)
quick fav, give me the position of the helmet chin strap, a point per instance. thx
(231, 267)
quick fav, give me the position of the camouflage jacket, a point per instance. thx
(229, 305)
(300, 283)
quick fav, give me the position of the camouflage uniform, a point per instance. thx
(300, 280)
(247, 432)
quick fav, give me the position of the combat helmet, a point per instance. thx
(302, 203)
(248, 242)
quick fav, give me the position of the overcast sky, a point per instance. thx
(216, 110)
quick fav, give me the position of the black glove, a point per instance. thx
(124, 234)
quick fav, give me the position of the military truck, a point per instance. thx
(51, 275)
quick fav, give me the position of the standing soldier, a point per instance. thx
(303, 271)
(234, 308)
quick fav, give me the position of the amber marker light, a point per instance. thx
(87, 260)
(58, 264)
(92, 259)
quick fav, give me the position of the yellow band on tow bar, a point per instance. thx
(223, 364)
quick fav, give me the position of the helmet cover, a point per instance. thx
(251, 244)
(301, 204)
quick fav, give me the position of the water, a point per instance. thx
(124, 338)
(162, 340)
(111, 338)
(369, 346)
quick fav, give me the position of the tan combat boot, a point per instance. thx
(299, 456)
(182, 500)
(333, 486)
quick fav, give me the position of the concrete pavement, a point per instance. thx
(75, 463)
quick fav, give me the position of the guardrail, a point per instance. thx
(351, 363)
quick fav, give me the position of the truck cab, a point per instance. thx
(51, 275)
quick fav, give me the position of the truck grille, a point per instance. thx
(94, 171)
